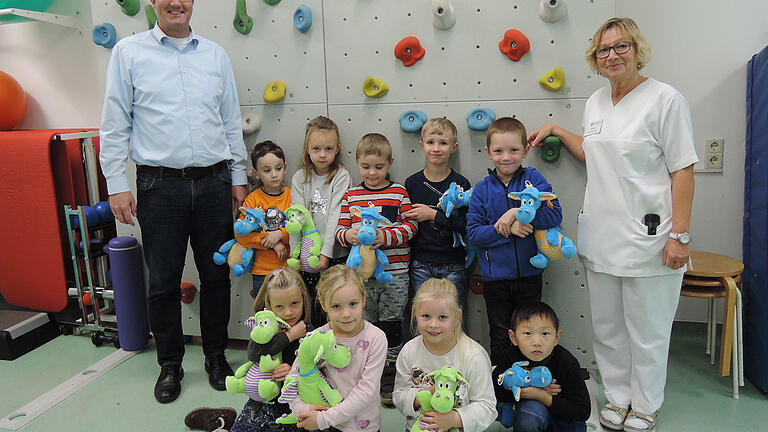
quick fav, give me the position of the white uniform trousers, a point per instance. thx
(632, 322)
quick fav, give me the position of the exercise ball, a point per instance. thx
(32, 5)
(13, 102)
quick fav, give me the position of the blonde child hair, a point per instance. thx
(320, 123)
(335, 278)
(443, 289)
(438, 126)
(283, 278)
(374, 144)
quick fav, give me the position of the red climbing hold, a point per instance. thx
(515, 44)
(409, 51)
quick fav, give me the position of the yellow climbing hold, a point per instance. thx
(553, 80)
(274, 92)
(374, 87)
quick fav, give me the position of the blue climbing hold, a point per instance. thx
(412, 120)
(302, 18)
(479, 119)
(104, 35)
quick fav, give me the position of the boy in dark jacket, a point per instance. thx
(504, 245)
(564, 405)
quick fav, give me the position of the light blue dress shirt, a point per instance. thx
(170, 108)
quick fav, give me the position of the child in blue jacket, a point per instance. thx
(504, 245)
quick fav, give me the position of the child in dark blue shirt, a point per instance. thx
(504, 244)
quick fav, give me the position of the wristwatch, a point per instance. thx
(684, 238)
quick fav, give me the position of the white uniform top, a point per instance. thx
(630, 150)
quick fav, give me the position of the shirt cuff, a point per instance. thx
(117, 184)
(239, 178)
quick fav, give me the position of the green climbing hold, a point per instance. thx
(129, 7)
(271, 2)
(550, 148)
(242, 22)
(151, 16)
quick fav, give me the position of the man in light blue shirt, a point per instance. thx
(171, 106)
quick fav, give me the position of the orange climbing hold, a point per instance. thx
(409, 51)
(515, 44)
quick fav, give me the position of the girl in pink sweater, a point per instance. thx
(341, 294)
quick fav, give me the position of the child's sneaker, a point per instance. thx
(211, 419)
(388, 382)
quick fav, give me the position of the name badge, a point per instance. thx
(593, 128)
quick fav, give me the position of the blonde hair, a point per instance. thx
(629, 29)
(320, 123)
(374, 144)
(443, 289)
(438, 126)
(283, 278)
(505, 125)
(335, 278)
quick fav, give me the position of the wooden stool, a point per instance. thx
(714, 276)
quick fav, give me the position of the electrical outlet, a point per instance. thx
(715, 146)
(714, 161)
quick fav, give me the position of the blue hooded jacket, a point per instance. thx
(507, 258)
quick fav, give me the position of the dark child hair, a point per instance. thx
(527, 311)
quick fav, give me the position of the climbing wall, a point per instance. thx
(462, 69)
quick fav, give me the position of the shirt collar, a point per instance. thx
(159, 35)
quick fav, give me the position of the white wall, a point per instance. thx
(700, 47)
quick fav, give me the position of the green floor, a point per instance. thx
(697, 398)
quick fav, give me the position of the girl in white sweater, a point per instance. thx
(441, 342)
(319, 185)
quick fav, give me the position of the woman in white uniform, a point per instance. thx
(633, 235)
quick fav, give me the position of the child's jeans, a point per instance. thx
(421, 271)
(532, 416)
(258, 280)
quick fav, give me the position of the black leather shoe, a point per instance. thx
(218, 369)
(211, 419)
(168, 386)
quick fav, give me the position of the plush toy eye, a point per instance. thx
(251, 219)
(527, 379)
(267, 322)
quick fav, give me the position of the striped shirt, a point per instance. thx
(391, 202)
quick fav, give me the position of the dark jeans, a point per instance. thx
(171, 212)
(501, 299)
(533, 416)
(421, 271)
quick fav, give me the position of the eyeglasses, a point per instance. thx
(619, 48)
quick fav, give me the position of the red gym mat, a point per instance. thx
(36, 179)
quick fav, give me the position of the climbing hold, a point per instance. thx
(302, 18)
(188, 291)
(550, 148)
(409, 50)
(251, 123)
(479, 119)
(552, 10)
(129, 7)
(515, 44)
(104, 35)
(374, 87)
(443, 16)
(151, 16)
(412, 120)
(274, 92)
(553, 80)
(242, 22)
(271, 2)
